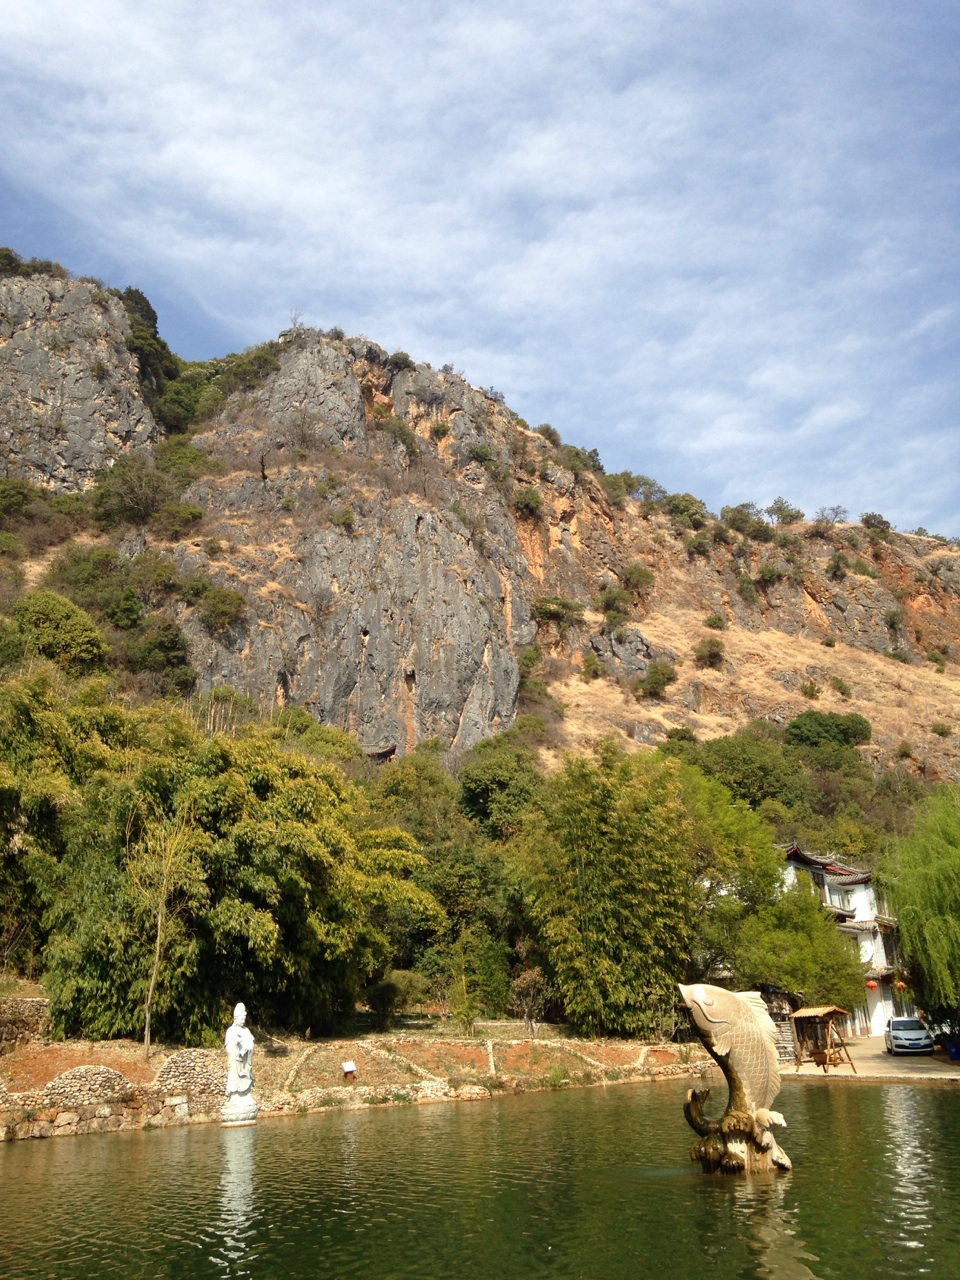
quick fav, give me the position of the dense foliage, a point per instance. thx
(158, 859)
(605, 860)
(922, 874)
(160, 856)
(245, 861)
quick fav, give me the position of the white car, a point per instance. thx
(907, 1035)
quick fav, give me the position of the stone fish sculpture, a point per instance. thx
(738, 1033)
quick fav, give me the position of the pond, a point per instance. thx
(588, 1183)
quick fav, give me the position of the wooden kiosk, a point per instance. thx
(818, 1039)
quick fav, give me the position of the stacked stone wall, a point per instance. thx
(21, 1019)
(189, 1086)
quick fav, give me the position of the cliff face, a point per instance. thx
(365, 514)
(69, 395)
(401, 539)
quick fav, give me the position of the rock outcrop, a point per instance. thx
(366, 514)
(70, 398)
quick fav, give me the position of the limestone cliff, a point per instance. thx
(402, 540)
(69, 395)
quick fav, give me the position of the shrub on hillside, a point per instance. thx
(557, 609)
(873, 520)
(813, 728)
(620, 485)
(747, 518)
(174, 520)
(246, 371)
(782, 512)
(161, 649)
(550, 434)
(698, 545)
(481, 453)
(11, 264)
(768, 575)
(528, 502)
(709, 652)
(654, 683)
(615, 603)
(637, 578)
(220, 609)
(132, 491)
(688, 512)
(837, 566)
(58, 629)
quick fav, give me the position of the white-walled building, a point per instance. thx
(848, 893)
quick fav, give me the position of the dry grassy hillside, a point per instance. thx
(884, 646)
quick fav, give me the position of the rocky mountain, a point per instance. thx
(416, 562)
(70, 397)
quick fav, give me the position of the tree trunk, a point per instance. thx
(153, 976)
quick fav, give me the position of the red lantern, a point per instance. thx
(872, 985)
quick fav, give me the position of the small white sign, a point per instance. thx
(348, 1067)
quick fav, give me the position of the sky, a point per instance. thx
(717, 241)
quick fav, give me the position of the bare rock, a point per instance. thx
(69, 394)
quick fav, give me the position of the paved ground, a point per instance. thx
(873, 1062)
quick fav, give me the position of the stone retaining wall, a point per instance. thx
(189, 1087)
(21, 1019)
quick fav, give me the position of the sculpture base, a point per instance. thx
(239, 1111)
(737, 1143)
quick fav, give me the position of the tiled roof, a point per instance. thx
(836, 872)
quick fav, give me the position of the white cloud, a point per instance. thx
(718, 242)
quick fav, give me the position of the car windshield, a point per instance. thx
(907, 1024)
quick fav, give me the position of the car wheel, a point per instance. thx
(890, 1051)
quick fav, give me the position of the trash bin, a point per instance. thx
(953, 1050)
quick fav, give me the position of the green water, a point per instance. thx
(591, 1183)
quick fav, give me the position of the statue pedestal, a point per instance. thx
(239, 1111)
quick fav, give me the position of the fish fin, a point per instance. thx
(766, 1119)
(764, 1087)
(722, 1042)
(758, 1008)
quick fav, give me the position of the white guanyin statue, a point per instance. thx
(240, 1106)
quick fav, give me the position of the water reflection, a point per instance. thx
(557, 1186)
(769, 1226)
(908, 1153)
(235, 1232)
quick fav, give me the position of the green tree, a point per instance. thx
(498, 780)
(59, 630)
(291, 895)
(796, 945)
(782, 512)
(921, 873)
(654, 683)
(735, 870)
(221, 608)
(812, 728)
(603, 855)
(166, 877)
(132, 491)
(687, 511)
(754, 770)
